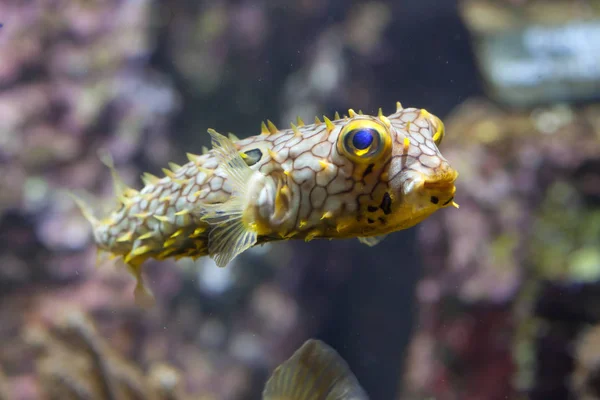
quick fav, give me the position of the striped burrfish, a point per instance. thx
(314, 372)
(356, 176)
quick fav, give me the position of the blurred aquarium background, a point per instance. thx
(497, 300)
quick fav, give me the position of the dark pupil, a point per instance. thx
(362, 139)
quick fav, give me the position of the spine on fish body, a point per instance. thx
(354, 176)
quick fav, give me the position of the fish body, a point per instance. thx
(314, 372)
(357, 176)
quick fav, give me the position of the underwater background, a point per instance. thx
(497, 300)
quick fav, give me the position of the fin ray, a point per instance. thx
(314, 372)
(230, 234)
(371, 240)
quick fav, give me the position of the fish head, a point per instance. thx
(418, 175)
(405, 176)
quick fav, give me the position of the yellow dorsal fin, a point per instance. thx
(120, 188)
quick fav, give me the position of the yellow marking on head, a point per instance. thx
(299, 121)
(351, 113)
(126, 237)
(399, 106)
(168, 173)
(182, 212)
(297, 132)
(424, 113)
(204, 150)
(162, 218)
(232, 137)
(174, 167)
(271, 126)
(302, 223)
(285, 190)
(384, 119)
(406, 144)
(272, 154)
(317, 121)
(336, 116)
(150, 179)
(408, 123)
(324, 163)
(329, 125)
(263, 128)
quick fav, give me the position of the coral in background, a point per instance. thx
(74, 78)
(502, 292)
(72, 362)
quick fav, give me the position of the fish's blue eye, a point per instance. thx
(363, 139)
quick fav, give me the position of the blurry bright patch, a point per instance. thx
(565, 237)
(34, 193)
(585, 264)
(212, 279)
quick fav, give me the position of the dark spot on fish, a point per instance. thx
(372, 208)
(368, 170)
(382, 220)
(448, 202)
(386, 204)
(252, 156)
(434, 199)
(371, 221)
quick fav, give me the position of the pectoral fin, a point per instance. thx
(372, 240)
(230, 233)
(314, 372)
